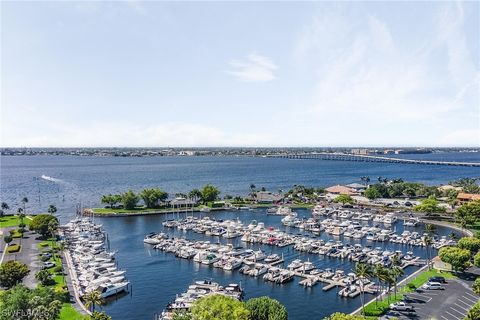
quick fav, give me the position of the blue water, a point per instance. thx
(82, 180)
(156, 276)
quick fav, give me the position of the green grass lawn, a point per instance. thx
(379, 308)
(68, 312)
(12, 221)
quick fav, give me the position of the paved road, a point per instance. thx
(452, 303)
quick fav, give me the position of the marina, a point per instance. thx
(159, 276)
(92, 267)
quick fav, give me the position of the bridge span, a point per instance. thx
(368, 158)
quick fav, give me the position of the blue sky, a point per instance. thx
(240, 74)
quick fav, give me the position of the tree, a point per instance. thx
(458, 258)
(265, 308)
(209, 193)
(343, 316)
(468, 185)
(219, 307)
(396, 272)
(21, 214)
(476, 286)
(52, 209)
(195, 194)
(25, 201)
(129, 200)
(12, 272)
(344, 198)
(7, 238)
(93, 298)
(363, 272)
(474, 312)
(41, 303)
(5, 206)
(44, 277)
(427, 242)
(468, 213)
(111, 199)
(42, 224)
(469, 243)
(99, 316)
(372, 193)
(429, 205)
(3, 209)
(152, 197)
(365, 180)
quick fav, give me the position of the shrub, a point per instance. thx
(12, 272)
(469, 243)
(476, 286)
(458, 258)
(13, 248)
(476, 259)
(474, 313)
(58, 269)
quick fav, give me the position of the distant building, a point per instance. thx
(357, 186)
(467, 197)
(360, 151)
(448, 187)
(338, 189)
(267, 197)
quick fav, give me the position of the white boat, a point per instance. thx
(110, 289)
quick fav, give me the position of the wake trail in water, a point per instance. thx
(51, 179)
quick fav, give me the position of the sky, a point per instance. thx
(265, 74)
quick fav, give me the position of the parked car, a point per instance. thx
(46, 254)
(401, 306)
(48, 264)
(437, 279)
(433, 286)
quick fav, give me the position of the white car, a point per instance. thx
(401, 306)
(433, 286)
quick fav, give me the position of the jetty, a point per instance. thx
(368, 158)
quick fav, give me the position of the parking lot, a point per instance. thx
(452, 303)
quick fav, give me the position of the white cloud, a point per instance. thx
(255, 68)
(128, 134)
(370, 86)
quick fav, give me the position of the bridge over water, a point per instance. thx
(368, 158)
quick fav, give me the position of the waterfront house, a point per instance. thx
(338, 189)
(267, 197)
(357, 186)
(467, 197)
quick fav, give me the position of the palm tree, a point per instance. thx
(92, 299)
(430, 229)
(378, 272)
(363, 272)
(52, 209)
(365, 180)
(427, 242)
(396, 271)
(24, 201)
(21, 214)
(195, 194)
